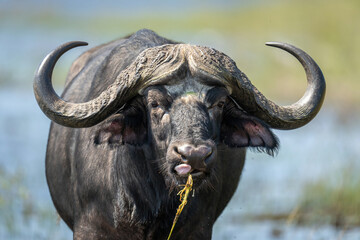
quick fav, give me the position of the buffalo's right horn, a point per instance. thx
(292, 116)
(79, 114)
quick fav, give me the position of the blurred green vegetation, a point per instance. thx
(17, 206)
(335, 201)
(14, 198)
(327, 30)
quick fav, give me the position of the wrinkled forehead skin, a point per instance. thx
(188, 86)
(172, 64)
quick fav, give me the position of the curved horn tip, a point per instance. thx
(81, 43)
(277, 44)
(73, 44)
(67, 46)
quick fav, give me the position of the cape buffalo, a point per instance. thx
(138, 115)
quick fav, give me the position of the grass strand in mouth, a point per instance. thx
(184, 193)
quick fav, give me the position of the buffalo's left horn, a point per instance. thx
(292, 116)
(79, 114)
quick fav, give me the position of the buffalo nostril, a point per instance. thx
(205, 151)
(194, 154)
(185, 150)
(183, 157)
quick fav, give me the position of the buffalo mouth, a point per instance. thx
(183, 170)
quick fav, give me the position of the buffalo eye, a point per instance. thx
(220, 104)
(154, 104)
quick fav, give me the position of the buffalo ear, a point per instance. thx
(123, 128)
(246, 131)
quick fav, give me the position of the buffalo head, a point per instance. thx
(185, 100)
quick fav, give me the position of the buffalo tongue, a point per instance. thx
(183, 169)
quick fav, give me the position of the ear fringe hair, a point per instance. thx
(272, 151)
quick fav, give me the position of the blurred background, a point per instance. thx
(310, 190)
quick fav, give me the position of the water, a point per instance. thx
(268, 184)
(27, 212)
